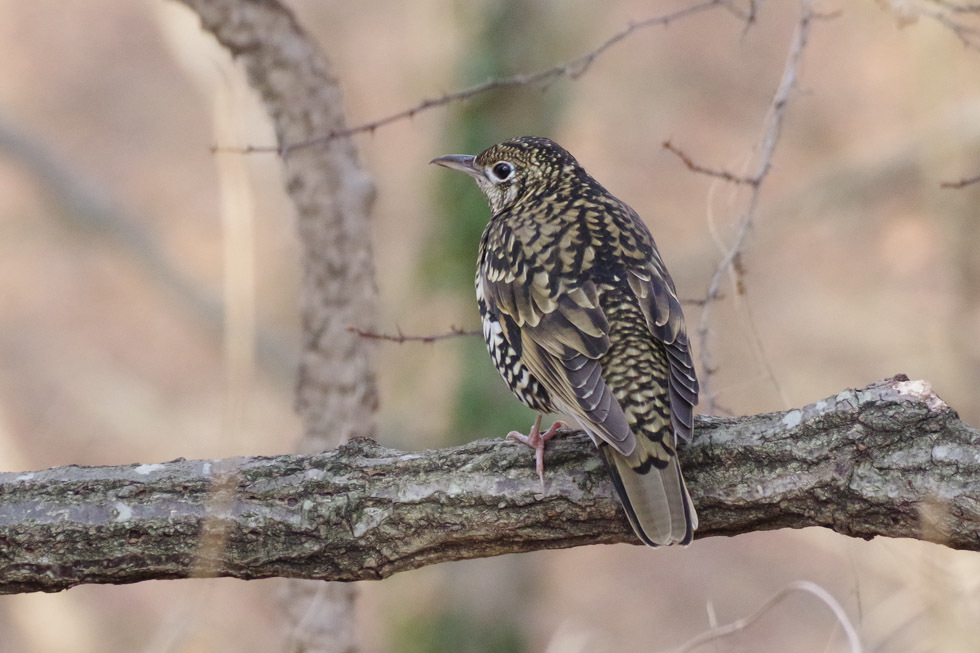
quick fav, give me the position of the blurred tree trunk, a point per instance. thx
(336, 394)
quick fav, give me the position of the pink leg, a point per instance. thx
(536, 439)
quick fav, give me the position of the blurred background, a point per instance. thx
(124, 240)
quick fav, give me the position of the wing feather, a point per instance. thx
(661, 309)
(563, 334)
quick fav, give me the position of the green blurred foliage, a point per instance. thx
(509, 37)
(458, 632)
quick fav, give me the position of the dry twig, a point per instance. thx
(962, 183)
(572, 69)
(720, 174)
(454, 332)
(950, 15)
(805, 586)
(767, 145)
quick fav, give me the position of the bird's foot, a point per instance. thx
(536, 439)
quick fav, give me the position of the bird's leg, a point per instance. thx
(536, 439)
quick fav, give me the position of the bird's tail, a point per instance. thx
(652, 489)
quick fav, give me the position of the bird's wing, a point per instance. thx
(657, 297)
(563, 333)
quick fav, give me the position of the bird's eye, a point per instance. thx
(502, 170)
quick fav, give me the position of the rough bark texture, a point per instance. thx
(892, 459)
(336, 394)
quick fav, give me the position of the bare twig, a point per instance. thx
(948, 14)
(571, 69)
(454, 332)
(962, 183)
(958, 8)
(721, 174)
(695, 301)
(749, 15)
(808, 587)
(767, 145)
(968, 36)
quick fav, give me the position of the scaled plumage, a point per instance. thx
(581, 317)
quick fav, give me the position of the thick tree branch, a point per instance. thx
(892, 459)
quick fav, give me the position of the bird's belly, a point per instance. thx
(507, 360)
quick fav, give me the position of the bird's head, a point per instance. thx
(515, 169)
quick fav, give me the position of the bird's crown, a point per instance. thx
(542, 155)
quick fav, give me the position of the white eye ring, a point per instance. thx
(502, 171)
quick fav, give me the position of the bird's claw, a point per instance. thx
(536, 440)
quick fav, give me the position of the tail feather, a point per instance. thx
(653, 493)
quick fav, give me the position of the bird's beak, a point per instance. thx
(462, 162)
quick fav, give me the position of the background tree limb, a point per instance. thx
(891, 459)
(336, 392)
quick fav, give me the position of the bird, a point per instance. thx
(581, 318)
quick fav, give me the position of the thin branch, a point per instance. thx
(947, 15)
(805, 586)
(572, 69)
(747, 16)
(958, 8)
(694, 301)
(962, 183)
(454, 332)
(770, 136)
(720, 174)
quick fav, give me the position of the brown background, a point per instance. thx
(859, 267)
